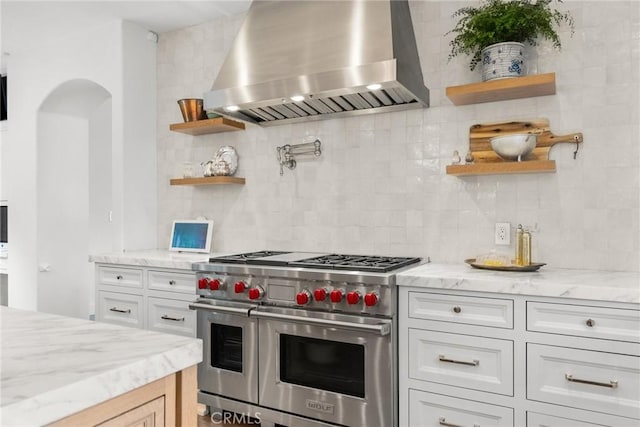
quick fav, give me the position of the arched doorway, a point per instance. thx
(74, 194)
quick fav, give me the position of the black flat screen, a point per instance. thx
(3, 224)
(3, 96)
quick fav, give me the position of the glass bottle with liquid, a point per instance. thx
(519, 245)
(526, 247)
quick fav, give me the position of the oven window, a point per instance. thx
(226, 347)
(322, 364)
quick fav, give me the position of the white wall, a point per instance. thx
(99, 56)
(380, 186)
(101, 228)
(63, 212)
(139, 207)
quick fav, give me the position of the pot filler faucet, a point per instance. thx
(287, 153)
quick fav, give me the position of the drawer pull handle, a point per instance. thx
(443, 422)
(119, 310)
(457, 309)
(443, 358)
(610, 384)
(172, 282)
(119, 277)
(590, 323)
(175, 319)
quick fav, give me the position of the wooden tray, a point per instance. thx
(530, 267)
(480, 139)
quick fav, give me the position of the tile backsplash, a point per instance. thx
(380, 186)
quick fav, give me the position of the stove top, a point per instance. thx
(356, 262)
(245, 258)
(376, 264)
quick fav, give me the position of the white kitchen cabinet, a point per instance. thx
(146, 297)
(541, 420)
(120, 276)
(120, 308)
(462, 309)
(171, 281)
(584, 320)
(470, 358)
(593, 380)
(436, 410)
(462, 360)
(171, 316)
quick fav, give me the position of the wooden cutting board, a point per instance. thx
(481, 134)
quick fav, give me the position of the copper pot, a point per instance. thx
(192, 109)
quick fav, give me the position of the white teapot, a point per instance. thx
(208, 168)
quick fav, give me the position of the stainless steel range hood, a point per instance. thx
(326, 55)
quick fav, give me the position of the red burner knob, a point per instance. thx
(371, 299)
(303, 298)
(203, 282)
(320, 294)
(353, 297)
(240, 287)
(256, 293)
(336, 296)
(215, 285)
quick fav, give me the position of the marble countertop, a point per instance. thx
(54, 366)
(154, 258)
(548, 282)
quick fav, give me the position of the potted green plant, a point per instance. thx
(494, 33)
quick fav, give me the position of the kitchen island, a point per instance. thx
(69, 371)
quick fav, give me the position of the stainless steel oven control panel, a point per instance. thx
(323, 295)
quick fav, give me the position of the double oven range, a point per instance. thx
(298, 339)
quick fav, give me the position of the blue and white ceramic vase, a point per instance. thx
(502, 60)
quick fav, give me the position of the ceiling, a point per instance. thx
(25, 23)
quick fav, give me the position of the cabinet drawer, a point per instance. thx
(592, 380)
(542, 420)
(123, 309)
(461, 309)
(436, 410)
(484, 364)
(171, 316)
(120, 276)
(173, 282)
(584, 321)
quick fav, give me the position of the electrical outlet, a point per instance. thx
(503, 233)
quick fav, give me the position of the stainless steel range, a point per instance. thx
(300, 339)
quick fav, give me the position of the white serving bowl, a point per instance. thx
(515, 146)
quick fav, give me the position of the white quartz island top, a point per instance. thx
(547, 282)
(54, 366)
(154, 258)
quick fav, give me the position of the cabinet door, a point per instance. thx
(535, 419)
(477, 363)
(120, 308)
(591, 380)
(172, 281)
(151, 414)
(437, 410)
(584, 321)
(120, 276)
(492, 312)
(171, 316)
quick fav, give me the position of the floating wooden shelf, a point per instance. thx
(500, 168)
(503, 89)
(487, 162)
(203, 127)
(208, 180)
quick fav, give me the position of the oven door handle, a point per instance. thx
(219, 308)
(381, 328)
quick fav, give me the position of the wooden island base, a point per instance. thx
(169, 401)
